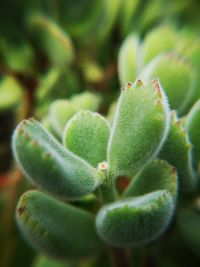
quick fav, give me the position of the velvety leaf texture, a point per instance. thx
(86, 135)
(56, 228)
(177, 151)
(49, 165)
(135, 221)
(156, 175)
(47, 125)
(139, 129)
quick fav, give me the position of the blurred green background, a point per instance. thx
(69, 54)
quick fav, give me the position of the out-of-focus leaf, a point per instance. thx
(10, 93)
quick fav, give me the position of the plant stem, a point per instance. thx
(119, 257)
(107, 192)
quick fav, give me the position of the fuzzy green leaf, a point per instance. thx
(86, 135)
(156, 175)
(193, 127)
(177, 78)
(49, 165)
(129, 61)
(62, 110)
(47, 125)
(139, 129)
(57, 229)
(135, 221)
(111, 112)
(177, 151)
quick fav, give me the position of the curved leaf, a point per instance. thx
(156, 175)
(53, 40)
(56, 228)
(135, 221)
(49, 165)
(177, 151)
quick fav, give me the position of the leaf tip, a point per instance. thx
(21, 210)
(129, 85)
(157, 87)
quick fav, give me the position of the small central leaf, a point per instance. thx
(86, 135)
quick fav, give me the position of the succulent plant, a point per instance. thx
(108, 182)
(91, 159)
